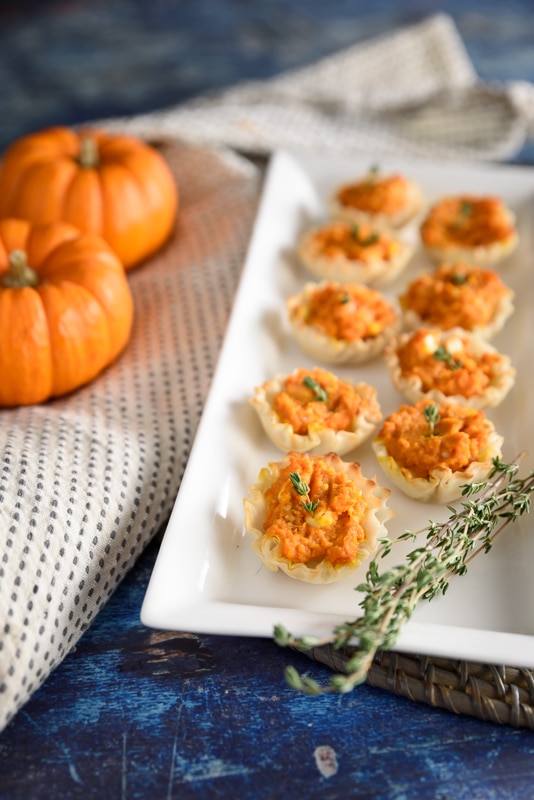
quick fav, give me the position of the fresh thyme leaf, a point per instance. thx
(390, 597)
(431, 415)
(466, 209)
(442, 354)
(345, 298)
(372, 175)
(303, 490)
(316, 388)
(458, 279)
(300, 486)
(371, 239)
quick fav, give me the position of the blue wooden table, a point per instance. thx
(137, 713)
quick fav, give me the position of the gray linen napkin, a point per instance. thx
(414, 92)
(86, 481)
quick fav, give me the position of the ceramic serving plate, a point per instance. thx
(207, 578)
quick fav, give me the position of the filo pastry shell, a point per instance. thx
(349, 253)
(387, 201)
(453, 366)
(458, 295)
(341, 323)
(444, 482)
(346, 416)
(477, 229)
(318, 552)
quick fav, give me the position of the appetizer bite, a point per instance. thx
(449, 365)
(458, 295)
(316, 518)
(465, 227)
(431, 450)
(387, 201)
(341, 322)
(312, 410)
(354, 253)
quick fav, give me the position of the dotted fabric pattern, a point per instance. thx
(87, 480)
(413, 92)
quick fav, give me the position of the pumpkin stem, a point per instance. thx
(19, 274)
(88, 152)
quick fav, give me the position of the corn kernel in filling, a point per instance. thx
(455, 295)
(317, 399)
(332, 531)
(448, 367)
(349, 312)
(457, 439)
(467, 220)
(376, 194)
(355, 242)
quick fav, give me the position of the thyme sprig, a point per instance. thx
(303, 490)
(431, 415)
(390, 597)
(442, 354)
(316, 388)
(464, 213)
(371, 239)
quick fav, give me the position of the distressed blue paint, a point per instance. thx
(76, 61)
(217, 720)
(133, 715)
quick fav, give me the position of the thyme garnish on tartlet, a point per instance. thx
(316, 388)
(431, 415)
(442, 354)
(303, 490)
(466, 209)
(390, 597)
(371, 239)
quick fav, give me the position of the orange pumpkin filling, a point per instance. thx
(458, 438)
(331, 531)
(455, 295)
(355, 242)
(316, 399)
(448, 367)
(467, 221)
(349, 311)
(376, 194)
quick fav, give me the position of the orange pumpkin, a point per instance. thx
(113, 185)
(66, 310)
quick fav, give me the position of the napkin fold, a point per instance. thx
(87, 480)
(414, 92)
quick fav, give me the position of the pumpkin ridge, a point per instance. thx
(25, 355)
(40, 180)
(61, 334)
(80, 335)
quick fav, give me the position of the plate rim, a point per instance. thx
(216, 616)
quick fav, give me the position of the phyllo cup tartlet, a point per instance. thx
(430, 451)
(315, 518)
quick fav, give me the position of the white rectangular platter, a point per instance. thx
(206, 578)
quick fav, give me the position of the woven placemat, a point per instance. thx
(494, 693)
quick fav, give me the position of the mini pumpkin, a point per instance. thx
(66, 310)
(114, 185)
